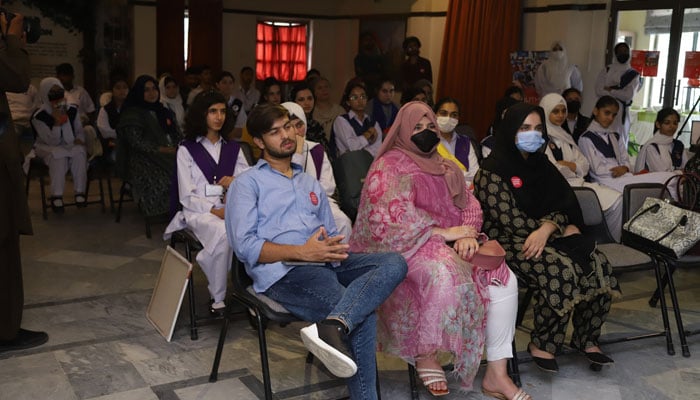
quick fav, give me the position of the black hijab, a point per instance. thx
(542, 189)
(166, 118)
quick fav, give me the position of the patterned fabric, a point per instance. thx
(441, 304)
(563, 285)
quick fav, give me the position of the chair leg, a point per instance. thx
(513, 369)
(119, 205)
(219, 349)
(654, 299)
(44, 206)
(412, 382)
(148, 227)
(102, 195)
(664, 311)
(111, 194)
(676, 310)
(263, 356)
(193, 316)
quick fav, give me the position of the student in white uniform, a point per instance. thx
(607, 154)
(60, 142)
(662, 152)
(356, 130)
(555, 74)
(314, 161)
(225, 84)
(573, 165)
(206, 166)
(620, 81)
(452, 145)
(171, 99)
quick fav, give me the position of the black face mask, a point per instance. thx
(425, 140)
(622, 58)
(573, 106)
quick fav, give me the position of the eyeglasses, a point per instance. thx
(355, 97)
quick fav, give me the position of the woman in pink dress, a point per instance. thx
(415, 202)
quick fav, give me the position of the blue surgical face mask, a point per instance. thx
(529, 141)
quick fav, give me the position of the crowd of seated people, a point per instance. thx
(431, 199)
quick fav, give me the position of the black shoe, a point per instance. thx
(598, 358)
(57, 205)
(333, 332)
(25, 340)
(80, 200)
(216, 312)
(545, 364)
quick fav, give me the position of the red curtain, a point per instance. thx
(475, 64)
(205, 35)
(281, 52)
(170, 37)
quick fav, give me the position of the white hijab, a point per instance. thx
(557, 69)
(663, 142)
(174, 104)
(616, 69)
(44, 89)
(555, 132)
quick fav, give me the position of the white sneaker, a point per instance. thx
(337, 363)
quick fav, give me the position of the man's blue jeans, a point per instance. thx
(350, 292)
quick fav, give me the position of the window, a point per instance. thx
(281, 50)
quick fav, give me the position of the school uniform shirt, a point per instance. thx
(191, 189)
(249, 97)
(473, 160)
(80, 97)
(347, 140)
(656, 155)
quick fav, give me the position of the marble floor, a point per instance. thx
(88, 282)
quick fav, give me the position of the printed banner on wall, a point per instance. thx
(692, 65)
(646, 62)
(525, 64)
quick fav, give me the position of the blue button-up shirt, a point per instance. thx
(265, 205)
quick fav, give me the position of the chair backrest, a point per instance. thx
(593, 218)
(247, 152)
(350, 170)
(634, 195)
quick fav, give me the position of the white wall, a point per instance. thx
(584, 34)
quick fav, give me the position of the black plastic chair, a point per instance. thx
(623, 259)
(633, 198)
(39, 170)
(263, 309)
(192, 245)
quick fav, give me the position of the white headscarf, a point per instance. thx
(557, 69)
(663, 142)
(295, 110)
(174, 104)
(616, 69)
(44, 89)
(556, 132)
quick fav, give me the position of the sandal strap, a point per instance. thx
(430, 370)
(435, 380)
(521, 395)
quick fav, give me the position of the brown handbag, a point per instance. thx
(489, 256)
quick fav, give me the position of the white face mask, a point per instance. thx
(447, 124)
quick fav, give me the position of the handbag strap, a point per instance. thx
(654, 207)
(687, 190)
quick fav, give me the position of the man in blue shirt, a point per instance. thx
(280, 225)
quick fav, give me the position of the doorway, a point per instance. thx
(672, 28)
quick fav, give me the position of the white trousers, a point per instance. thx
(500, 319)
(60, 159)
(215, 258)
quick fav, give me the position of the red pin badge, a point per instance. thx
(314, 198)
(516, 182)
